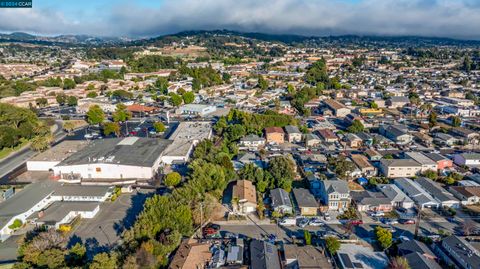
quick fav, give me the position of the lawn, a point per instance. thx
(6, 151)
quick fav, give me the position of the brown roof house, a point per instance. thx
(275, 135)
(244, 197)
(191, 255)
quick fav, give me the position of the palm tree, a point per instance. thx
(398, 263)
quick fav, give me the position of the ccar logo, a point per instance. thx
(15, 4)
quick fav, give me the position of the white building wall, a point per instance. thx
(106, 170)
(41, 165)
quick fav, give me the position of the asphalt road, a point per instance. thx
(18, 159)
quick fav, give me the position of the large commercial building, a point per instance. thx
(195, 109)
(121, 159)
(184, 139)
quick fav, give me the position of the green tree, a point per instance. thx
(173, 179)
(121, 113)
(95, 115)
(262, 83)
(308, 237)
(111, 127)
(159, 127)
(373, 105)
(175, 99)
(92, 95)
(61, 99)
(16, 224)
(332, 244)
(282, 169)
(69, 84)
(432, 119)
(384, 237)
(431, 174)
(72, 100)
(41, 142)
(41, 102)
(356, 127)
(188, 97)
(104, 261)
(77, 255)
(456, 121)
(398, 263)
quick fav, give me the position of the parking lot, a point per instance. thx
(104, 231)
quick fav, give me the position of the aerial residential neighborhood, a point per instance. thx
(168, 146)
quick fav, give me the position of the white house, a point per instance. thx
(467, 159)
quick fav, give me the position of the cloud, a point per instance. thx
(445, 18)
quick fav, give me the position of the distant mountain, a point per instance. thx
(61, 39)
(344, 40)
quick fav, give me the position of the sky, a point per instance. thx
(147, 18)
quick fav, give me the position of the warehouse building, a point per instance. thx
(45, 161)
(120, 159)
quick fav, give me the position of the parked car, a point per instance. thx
(356, 222)
(326, 216)
(302, 222)
(407, 221)
(390, 221)
(377, 214)
(288, 222)
(316, 222)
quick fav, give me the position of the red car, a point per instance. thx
(357, 222)
(133, 133)
(209, 231)
(408, 221)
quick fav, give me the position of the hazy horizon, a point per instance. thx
(144, 18)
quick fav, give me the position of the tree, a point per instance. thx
(77, 254)
(384, 237)
(398, 263)
(72, 100)
(111, 127)
(188, 97)
(68, 126)
(41, 142)
(332, 244)
(41, 102)
(432, 119)
(356, 127)
(468, 227)
(173, 179)
(92, 95)
(121, 113)
(159, 127)
(69, 84)
(95, 115)
(282, 169)
(61, 99)
(262, 83)
(373, 105)
(104, 261)
(308, 237)
(16, 224)
(467, 64)
(291, 89)
(456, 121)
(431, 174)
(175, 99)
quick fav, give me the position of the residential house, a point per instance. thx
(191, 255)
(393, 168)
(306, 202)
(335, 194)
(463, 254)
(328, 135)
(468, 195)
(312, 140)
(466, 135)
(425, 162)
(300, 257)
(467, 159)
(245, 194)
(444, 139)
(397, 101)
(371, 201)
(373, 155)
(281, 201)
(264, 255)
(275, 135)
(445, 198)
(366, 168)
(418, 255)
(338, 109)
(293, 134)
(442, 161)
(397, 133)
(397, 197)
(416, 192)
(353, 141)
(251, 142)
